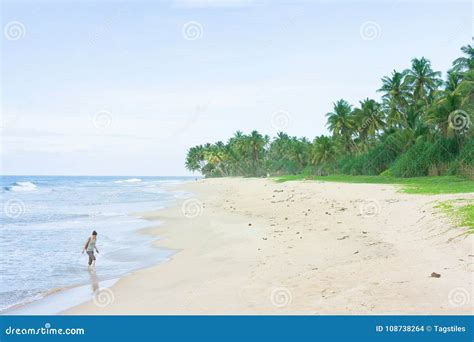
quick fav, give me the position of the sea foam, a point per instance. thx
(21, 186)
(131, 180)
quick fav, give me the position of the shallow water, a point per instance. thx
(45, 222)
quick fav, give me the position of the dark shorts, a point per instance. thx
(91, 257)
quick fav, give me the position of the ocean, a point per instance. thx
(46, 220)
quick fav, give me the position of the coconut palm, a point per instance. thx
(341, 122)
(453, 80)
(395, 98)
(299, 152)
(369, 118)
(195, 158)
(466, 62)
(419, 116)
(253, 147)
(323, 150)
(422, 80)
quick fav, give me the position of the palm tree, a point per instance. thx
(438, 114)
(323, 150)
(453, 80)
(195, 158)
(256, 142)
(340, 122)
(369, 118)
(465, 90)
(299, 152)
(217, 155)
(422, 80)
(280, 154)
(416, 107)
(465, 63)
(395, 98)
(254, 146)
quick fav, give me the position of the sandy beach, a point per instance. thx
(254, 246)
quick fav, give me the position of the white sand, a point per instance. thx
(312, 248)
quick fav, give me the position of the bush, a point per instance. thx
(423, 156)
(376, 160)
(463, 165)
(387, 173)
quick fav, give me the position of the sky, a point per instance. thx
(126, 87)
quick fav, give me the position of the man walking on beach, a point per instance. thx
(89, 247)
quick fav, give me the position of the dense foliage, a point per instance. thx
(422, 126)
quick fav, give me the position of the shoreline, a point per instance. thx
(253, 246)
(57, 300)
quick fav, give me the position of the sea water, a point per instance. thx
(46, 220)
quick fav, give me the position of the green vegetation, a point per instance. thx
(461, 211)
(421, 127)
(416, 185)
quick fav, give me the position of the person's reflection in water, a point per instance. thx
(94, 280)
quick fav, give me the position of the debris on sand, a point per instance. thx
(435, 275)
(344, 237)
